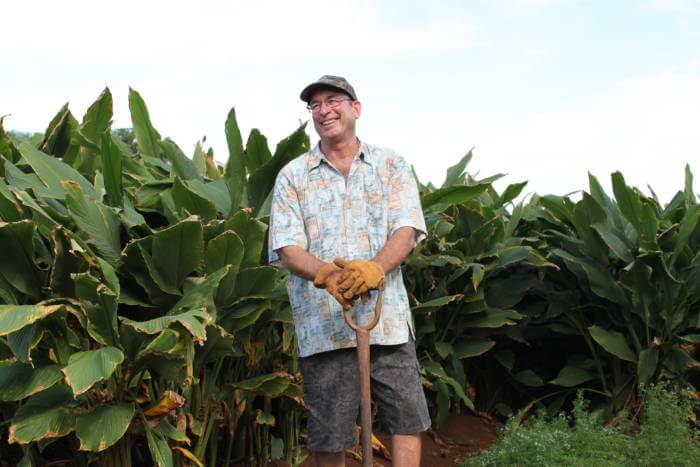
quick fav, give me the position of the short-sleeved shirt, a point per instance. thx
(315, 208)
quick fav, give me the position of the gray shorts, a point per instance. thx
(331, 393)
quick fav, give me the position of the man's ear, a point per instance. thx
(357, 108)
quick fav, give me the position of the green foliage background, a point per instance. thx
(139, 321)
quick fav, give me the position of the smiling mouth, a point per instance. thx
(328, 123)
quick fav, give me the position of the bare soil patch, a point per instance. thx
(461, 436)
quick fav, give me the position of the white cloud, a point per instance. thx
(209, 32)
(644, 127)
(673, 5)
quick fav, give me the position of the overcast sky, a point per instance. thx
(544, 90)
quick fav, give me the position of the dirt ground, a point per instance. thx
(460, 436)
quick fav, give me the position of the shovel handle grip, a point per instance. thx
(377, 312)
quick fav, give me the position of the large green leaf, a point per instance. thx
(41, 424)
(269, 385)
(437, 303)
(648, 227)
(492, 318)
(183, 167)
(614, 342)
(112, 157)
(215, 192)
(147, 138)
(688, 226)
(98, 117)
(10, 211)
(142, 270)
(472, 347)
(235, 173)
(195, 321)
(252, 232)
(688, 190)
(529, 378)
(29, 181)
(158, 446)
(437, 371)
(17, 264)
(511, 192)
(66, 261)
(22, 342)
(198, 159)
(53, 172)
(190, 202)
(99, 223)
(648, 360)
(571, 376)
(102, 427)
(262, 180)
(16, 317)
(96, 123)
(225, 249)
(257, 281)
(20, 380)
(601, 281)
(57, 137)
(452, 195)
(100, 305)
(245, 314)
(178, 250)
(455, 174)
(627, 200)
(84, 369)
(257, 153)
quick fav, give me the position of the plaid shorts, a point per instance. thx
(332, 394)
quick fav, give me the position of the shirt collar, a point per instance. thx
(316, 156)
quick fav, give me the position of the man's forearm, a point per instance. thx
(396, 249)
(300, 262)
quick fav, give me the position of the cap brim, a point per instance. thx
(313, 87)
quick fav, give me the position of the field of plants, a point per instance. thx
(140, 324)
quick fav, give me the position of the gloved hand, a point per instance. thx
(328, 277)
(359, 276)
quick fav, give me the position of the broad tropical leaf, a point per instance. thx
(86, 368)
(20, 380)
(103, 426)
(614, 342)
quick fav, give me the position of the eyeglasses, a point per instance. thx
(332, 102)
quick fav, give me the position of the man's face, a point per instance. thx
(334, 124)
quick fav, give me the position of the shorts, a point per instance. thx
(332, 394)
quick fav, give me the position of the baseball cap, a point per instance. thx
(328, 81)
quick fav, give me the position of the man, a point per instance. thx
(359, 202)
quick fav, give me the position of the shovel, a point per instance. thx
(362, 333)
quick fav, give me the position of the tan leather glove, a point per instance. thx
(359, 276)
(328, 277)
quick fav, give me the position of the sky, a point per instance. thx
(543, 90)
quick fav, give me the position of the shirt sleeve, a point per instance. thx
(286, 220)
(404, 200)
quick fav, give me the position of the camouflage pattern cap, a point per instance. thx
(328, 81)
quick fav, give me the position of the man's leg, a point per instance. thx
(403, 410)
(332, 402)
(405, 450)
(329, 459)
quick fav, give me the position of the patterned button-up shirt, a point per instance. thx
(314, 207)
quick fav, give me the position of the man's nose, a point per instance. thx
(324, 107)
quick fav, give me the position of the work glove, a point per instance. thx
(328, 277)
(358, 277)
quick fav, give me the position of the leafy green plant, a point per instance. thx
(135, 306)
(469, 280)
(628, 289)
(664, 438)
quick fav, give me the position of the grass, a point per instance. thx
(664, 438)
